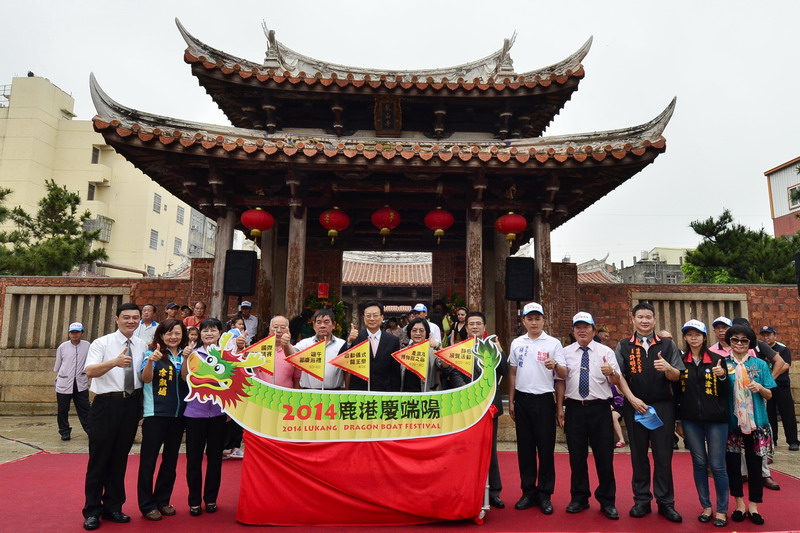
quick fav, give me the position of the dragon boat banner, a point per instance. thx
(296, 415)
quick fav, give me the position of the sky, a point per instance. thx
(732, 66)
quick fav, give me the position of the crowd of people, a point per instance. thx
(721, 397)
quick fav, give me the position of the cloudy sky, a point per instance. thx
(732, 65)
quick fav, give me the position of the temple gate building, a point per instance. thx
(308, 135)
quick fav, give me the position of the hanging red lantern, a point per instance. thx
(257, 220)
(511, 225)
(334, 220)
(385, 219)
(439, 220)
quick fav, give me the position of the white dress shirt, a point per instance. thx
(108, 347)
(334, 376)
(599, 386)
(529, 355)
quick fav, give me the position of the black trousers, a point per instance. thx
(81, 401)
(640, 438)
(495, 484)
(782, 402)
(755, 483)
(113, 423)
(204, 435)
(158, 431)
(535, 421)
(587, 425)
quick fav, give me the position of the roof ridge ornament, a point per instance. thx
(505, 65)
(274, 58)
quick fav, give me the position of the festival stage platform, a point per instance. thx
(44, 492)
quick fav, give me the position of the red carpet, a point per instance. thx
(44, 492)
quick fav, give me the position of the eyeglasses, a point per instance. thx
(739, 340)
(376, 315)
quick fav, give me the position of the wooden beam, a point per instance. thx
(475, 258)
(296, 262)
(223, 243)
(265, 277)
(505, 322)
(544, 269)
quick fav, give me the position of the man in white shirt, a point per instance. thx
(250, 321)
(535, 359)
(147, 326)
(324, 322)
(591, 370)
(114, 416)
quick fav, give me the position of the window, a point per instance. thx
(151, 271)
(178, 245)
(95, 155)
(179, 217)
(90, 192)
(157, 203)
(100, 223)
(794, 196)
(672, 278)
(153, 239)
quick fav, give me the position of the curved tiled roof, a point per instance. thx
(386, 274)
(587, 148)
(283, 65)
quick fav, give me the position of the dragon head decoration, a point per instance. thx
(486, 351)
(221, 376)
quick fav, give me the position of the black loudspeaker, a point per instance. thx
(797, 271)
(240, 273)
(520, 278)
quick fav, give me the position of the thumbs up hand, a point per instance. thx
(718, 370)
(606, 368)
(353, 333)
(661, 364)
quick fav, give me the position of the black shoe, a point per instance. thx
(704, 518)
(756, 518)
(526, 502)
(738, 516)
(576, 507)
(640, 509)
(195, 511)
(116, 516)
(65, 437)
(609, 511)
(669, 512)
(496, 502)
(794, 447)
(770, 483)
(546, 506)
(721, 522)
(211, 507)
(91, 522)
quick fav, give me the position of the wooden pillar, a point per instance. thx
(544, 269)
(265, 276)
(223, 243)
(505, 322)
(296, 261)
(475, 258)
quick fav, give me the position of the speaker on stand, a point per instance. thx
(520, 282)
(240, 273)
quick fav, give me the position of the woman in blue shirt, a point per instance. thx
(164, 393)
(748, 428)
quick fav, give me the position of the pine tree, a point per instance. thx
(50, 243)
(733, 253)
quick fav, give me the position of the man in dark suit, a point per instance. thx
(384, 370)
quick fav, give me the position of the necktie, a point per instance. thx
(129, 386)
(373, 341)
(645, 344)
(583, 381)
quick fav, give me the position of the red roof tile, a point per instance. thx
(386, 274)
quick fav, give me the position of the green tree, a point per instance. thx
(51, 242)
(732, 253)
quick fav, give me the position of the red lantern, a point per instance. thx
(438, 220)
(511, 225)
(334, 220)
(257, 220)
(385, 219)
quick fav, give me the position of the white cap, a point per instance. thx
(722, 320)
(532, 307)
(246, 304)
(75, 326)
(695, 324)
(583, 317)
(420, 308)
